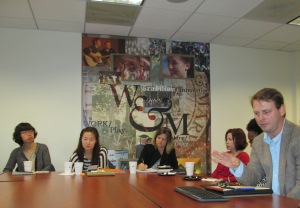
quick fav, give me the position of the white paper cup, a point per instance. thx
(189, 168)
(28, 166)
(132, 166)
(78, 168)
(68, 168)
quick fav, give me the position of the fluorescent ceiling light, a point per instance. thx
(295, 21)
(130, 2)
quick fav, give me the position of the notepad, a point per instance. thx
(15, 173)
(42, 172)
(235, 191)
(149, 170)
(100, 173)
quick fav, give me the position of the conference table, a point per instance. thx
(121, 190)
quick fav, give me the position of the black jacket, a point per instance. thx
(150, 155)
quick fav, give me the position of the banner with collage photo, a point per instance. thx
(133, 86)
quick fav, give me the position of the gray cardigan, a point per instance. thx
(42, 160)
(260, 164)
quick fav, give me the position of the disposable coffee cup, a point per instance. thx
(68, 168)
(28, 166)
(189, 168)
(132, 166)
(78, 168)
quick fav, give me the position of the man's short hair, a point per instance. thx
(267, 94)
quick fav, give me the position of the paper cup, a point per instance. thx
(132, 166)
(68, 168)
(28, 166)
(189, 168)
(78, 168)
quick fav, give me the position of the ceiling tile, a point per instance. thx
(229, 8)
(193, 37)
(161, 19)
(15, 8)
(270, 45)
(209, 24)
(250, 29)
(107, 29)
(232, 41)
(64, 10)
(278, 11)
(151, 33)
(188, 6)
(284, 33)
(9, 22)
(245, 23)
(291, 47)
(60, 25)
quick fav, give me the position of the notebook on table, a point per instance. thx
(101, 172)
(236, 191)
(15, 173)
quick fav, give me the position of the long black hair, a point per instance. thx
(96, 150)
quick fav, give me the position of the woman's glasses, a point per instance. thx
(27, 132)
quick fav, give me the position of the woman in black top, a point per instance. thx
(160, 152)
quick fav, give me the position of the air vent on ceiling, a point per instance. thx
(277, 11)
(107, 13)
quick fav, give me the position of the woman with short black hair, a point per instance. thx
(38, 153)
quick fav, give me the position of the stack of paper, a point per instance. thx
(149, 170)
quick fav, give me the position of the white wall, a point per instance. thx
(296, 75)
(236, 74)
(40, 83)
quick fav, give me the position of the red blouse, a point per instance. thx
(222, 172)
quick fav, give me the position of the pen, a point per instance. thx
(144, 164)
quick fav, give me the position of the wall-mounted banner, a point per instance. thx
(133, 86)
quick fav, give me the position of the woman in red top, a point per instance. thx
(236, 142)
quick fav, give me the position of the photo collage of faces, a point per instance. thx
(115, 61)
